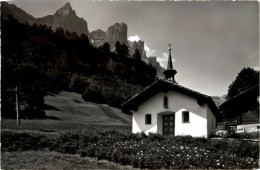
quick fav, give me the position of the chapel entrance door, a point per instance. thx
(168, 124)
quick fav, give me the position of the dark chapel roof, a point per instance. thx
(165, 85)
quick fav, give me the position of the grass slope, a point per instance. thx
(67, 111)
(110, 113)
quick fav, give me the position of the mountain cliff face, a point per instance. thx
(139, 45)
(97, 35)
(17, 13)
(64, 17)
(156, 65)
(114, 33)
(118, 32)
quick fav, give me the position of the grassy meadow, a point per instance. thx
(67, 111)
(83, 135)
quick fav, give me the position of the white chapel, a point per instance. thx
(167, 108)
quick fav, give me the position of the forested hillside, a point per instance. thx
(39, 60)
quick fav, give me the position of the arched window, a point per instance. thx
(165, 101)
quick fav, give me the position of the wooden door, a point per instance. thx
(168, 124)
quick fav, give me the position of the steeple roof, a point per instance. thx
(169, 66)
(170, 72)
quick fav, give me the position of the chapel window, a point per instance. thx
(165, 101)
(185, 116)
(148, 119)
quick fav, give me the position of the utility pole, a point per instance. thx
(17, 107)
(17, 104)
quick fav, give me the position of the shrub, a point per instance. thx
(244, 149)
(252, 135)
(32, 113)
(155, 137)
(78, 83)
(12, 141)
(93, 95)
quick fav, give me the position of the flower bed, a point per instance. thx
(142, 151)
(156, 152)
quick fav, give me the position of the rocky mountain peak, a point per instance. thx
(118, 32)
(64, 17)
(139, 45)
(65, 10)
(98, 34)
(114, 33)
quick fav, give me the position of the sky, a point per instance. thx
(211, 41)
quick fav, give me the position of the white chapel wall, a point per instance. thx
(197, 126)
(177, 102)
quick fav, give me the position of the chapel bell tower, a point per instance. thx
(170, 72)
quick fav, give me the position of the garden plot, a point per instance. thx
(140, 150)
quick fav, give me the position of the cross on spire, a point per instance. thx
(169, 45)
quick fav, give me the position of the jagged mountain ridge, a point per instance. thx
(118, 32)
(15, 12)
(64, 17)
